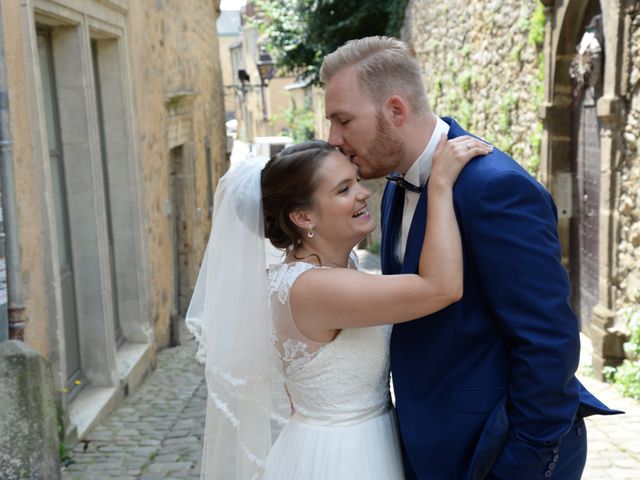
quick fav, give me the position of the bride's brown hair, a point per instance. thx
(288, 182)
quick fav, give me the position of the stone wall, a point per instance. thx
(160, 83)
(29, 446)
(483, 63)
(175, 51)
(482, 66)
(28, 175)
(627, 277)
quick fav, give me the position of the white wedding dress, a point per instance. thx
(343, 426)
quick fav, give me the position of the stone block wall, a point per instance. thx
(176, 56)
(627, 276)
(482, 65)
(28, 418)
(157, 86)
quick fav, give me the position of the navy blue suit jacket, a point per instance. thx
(488, 384)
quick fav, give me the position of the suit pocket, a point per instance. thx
(492, 439)
(478, 400)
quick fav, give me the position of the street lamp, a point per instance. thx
(266, 70)
(266, 67)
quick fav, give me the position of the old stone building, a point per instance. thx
(117, 133)
(259, 103)
(229, 31)
(557, 85)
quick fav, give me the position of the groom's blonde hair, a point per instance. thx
(385, 66)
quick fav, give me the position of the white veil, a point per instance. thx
(229, 315)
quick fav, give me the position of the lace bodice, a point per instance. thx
(342, 380)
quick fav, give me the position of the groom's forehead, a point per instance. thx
(344, 84)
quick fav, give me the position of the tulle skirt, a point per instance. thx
(308, 450)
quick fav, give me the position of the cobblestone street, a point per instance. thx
(157, 432)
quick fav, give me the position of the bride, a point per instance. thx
(297, 356)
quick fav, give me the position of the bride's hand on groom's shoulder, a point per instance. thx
(451, 156)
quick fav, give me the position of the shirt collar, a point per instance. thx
(419, 171)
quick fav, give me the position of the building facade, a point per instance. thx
(117, 131)
(259, 108)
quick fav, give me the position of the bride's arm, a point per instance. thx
(340, 298)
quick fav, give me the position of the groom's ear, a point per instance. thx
(300, 218)
(398, 108)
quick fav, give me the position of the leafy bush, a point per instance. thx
(627, 375)
(301, 122)
(299, 33)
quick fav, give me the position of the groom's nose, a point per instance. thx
(335, 137)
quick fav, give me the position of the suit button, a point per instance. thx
(548, 474)
(579, 431)
(556, 458)
(555, 450)
(552, 466)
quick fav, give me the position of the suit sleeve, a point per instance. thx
(513, 241)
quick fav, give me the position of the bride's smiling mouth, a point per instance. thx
(361, 214)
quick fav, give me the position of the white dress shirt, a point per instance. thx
(418, 174)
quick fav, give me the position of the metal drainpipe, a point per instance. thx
(9, 213)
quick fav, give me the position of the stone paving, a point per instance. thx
(157, 432)
(154, 434)
(614, 441)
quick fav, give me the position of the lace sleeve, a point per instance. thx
(292, 347)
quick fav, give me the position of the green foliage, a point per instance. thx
(536, 143)
(301, 122)
(464, 113)
(301, 32)
(523, 23)
(374, 248)
(464, 80)
(505, 143)
(396, 9)
(507, 105)
(537, 24)
(437, 88)
(538, 99)
(632, 317)
(627, 375)
(517, 53)
(63, 452)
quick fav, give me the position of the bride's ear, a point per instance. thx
(301, 219)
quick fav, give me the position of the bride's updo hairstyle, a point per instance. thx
(288, 182)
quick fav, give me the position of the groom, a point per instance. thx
(484, 388)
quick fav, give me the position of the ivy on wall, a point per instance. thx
(464, 89)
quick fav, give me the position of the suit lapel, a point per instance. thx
(392, 207)
(416, 235)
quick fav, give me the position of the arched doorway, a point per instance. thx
(586, 73)
(582, 139)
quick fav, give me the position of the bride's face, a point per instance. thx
(339, 212)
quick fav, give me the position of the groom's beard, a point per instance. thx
(385, 153)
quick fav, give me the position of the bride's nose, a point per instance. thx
(363, 193)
